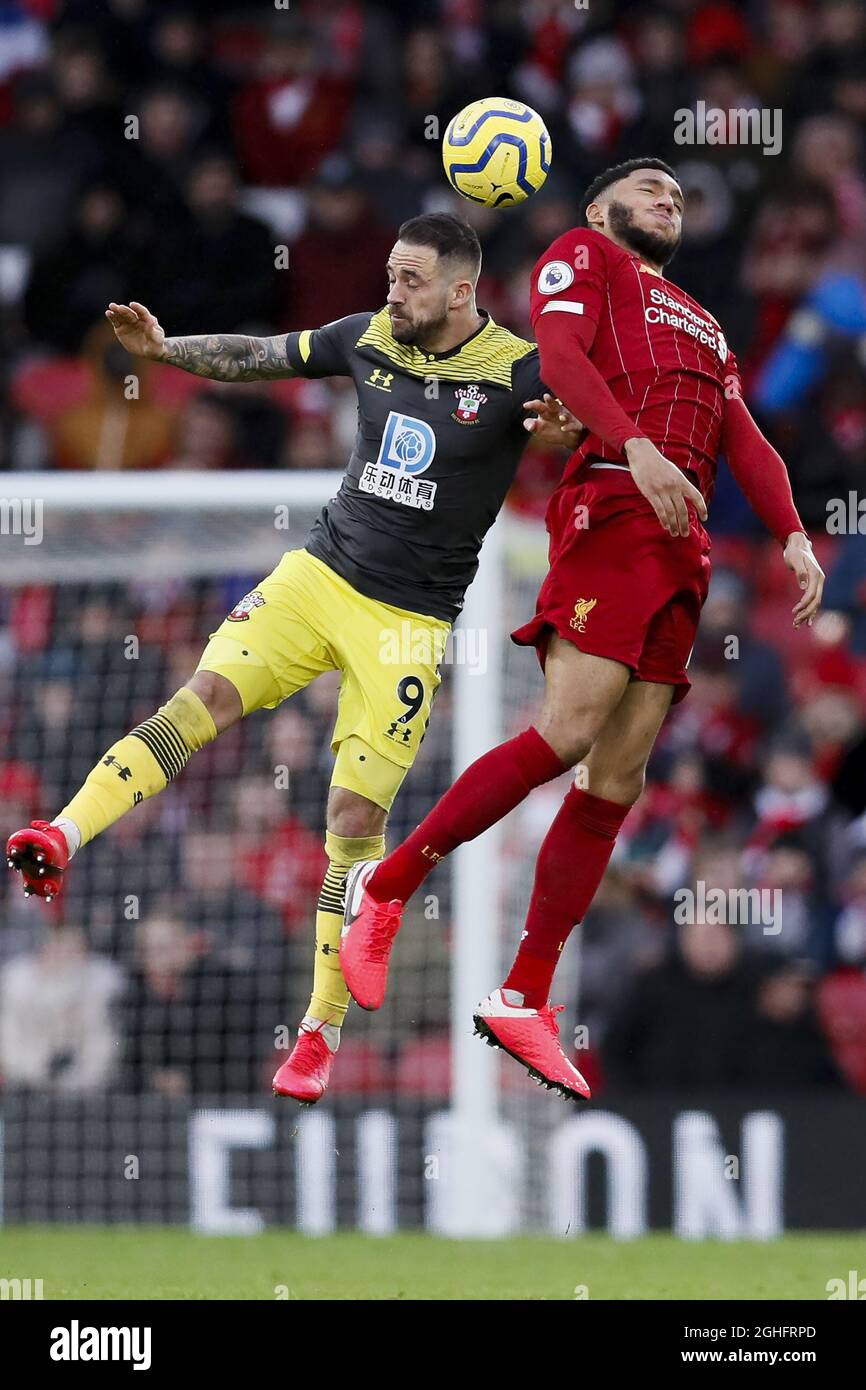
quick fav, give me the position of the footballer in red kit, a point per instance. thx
(650, 375)
(619, 585)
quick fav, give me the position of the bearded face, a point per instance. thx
(644, 232)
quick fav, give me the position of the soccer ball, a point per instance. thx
(496, 152)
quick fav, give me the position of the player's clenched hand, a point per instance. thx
(137, 329)
(552, 423)
(664, 485)
(800, 558)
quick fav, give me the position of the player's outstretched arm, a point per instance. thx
(217, 356)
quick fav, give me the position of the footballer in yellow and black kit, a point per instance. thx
(372, 593)
(386, 565)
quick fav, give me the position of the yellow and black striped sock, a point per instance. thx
(141, 764)
(330, 998)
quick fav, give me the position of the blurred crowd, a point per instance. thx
(245, 169)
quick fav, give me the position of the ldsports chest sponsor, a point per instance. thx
(408, 448)
(665, 309)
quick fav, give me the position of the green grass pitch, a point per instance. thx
(87, 1262)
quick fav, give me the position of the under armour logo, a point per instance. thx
(404, 731)
(124, 773)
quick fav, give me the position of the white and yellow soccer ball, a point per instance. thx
(496, 152)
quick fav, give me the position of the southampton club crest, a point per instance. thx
(470, 399)
(241, 611)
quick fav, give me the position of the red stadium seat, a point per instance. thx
(842, 1011)
(362, 1067)
(424, 1067)
(46, 387)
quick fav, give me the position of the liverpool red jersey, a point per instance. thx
(663, 357)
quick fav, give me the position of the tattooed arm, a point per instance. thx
(229, 357)
(218, 356)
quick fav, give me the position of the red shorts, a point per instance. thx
(619, 586)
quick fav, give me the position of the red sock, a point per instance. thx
(571, 865)
(488, 789)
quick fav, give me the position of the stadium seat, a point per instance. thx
(424, 1067)
(842, 1011)
(362, 1068)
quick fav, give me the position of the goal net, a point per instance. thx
(142, 1015)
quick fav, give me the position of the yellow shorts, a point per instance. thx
(303, 620)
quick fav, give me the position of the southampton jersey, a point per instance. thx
(439, 438)
(664, 358)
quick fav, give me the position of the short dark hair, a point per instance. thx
(617, 172)
(450, 236)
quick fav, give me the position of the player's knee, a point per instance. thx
(624, 785)
(630, 788)
(353, 817)
(219, 697)
(570, 739)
